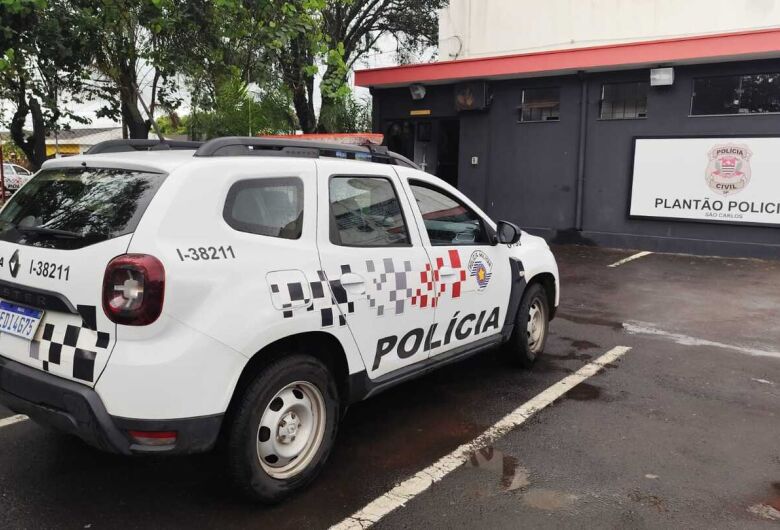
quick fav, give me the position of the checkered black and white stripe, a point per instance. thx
(71, 347)
(391, 288)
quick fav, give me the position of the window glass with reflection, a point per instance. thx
(75, 207)
(736, 94)
(447, 220)
(365, 212)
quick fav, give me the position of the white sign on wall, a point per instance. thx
(733, 180)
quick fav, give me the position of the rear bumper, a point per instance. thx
(77, 409)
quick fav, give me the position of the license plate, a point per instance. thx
(19, 320)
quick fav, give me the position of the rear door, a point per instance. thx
(373, 260)
(57, 234)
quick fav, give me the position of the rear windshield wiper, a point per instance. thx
(49, 231)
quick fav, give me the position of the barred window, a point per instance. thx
(624, 101)
(540, 104)
(736, 94)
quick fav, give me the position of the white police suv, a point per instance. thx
(155, 297)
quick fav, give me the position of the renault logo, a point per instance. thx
(13, 264)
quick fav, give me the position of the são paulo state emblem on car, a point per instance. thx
(481, 269)
(728, 168)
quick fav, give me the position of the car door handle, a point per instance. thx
(353, 283)
(446, 272)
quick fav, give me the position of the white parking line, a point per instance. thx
(630, 258)
(413, 486)
(643, 328)
(5, 422)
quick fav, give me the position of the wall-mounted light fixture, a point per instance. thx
(418, 92)
(662, 77)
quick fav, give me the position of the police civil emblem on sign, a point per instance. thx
(728, 168)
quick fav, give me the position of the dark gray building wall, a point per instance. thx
(609, 163)
(527, 172)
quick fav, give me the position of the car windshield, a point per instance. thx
(75, 207)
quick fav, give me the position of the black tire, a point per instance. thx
(523, 349)
(245, 432)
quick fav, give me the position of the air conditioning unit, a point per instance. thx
(473, 95)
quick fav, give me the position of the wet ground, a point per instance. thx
(683, 431)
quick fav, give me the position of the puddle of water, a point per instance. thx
(545, 365)
(584, 392)
(574, 356)
(544, 499)
(512, 476)
(577, 319)
(774, 501)
(584, 344)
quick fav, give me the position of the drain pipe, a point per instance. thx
(581, 151)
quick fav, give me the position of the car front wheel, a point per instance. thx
(284, 428)
(531, 327)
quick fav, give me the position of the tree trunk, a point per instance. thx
(304, 109)
(331, 111)
(328, 122)
(137, 124)
(39, 133)
(293, 63)
(34, 146)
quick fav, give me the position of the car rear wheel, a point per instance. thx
(284, 428)
(531, 327)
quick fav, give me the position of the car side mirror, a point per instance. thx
(508, 233)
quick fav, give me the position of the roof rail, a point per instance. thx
(249, 146)
(130, 145)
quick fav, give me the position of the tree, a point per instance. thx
(240, 42)
(348, 31)
(43, 63)
(131, 50)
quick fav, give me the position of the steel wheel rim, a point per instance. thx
(291, 430)
(536, 329)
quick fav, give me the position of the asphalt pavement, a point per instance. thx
(682, 431)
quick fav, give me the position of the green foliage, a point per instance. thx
(14, 16)
(348, 30)
(236, 112)
(211, 50)
(12, 152)
(45, 54)
(347, 114)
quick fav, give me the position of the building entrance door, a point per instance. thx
(448, 147)
(433, 144)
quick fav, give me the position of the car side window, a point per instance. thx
(267, 207)
(447, 220)
(365, 212)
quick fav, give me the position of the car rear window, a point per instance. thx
(76, 207)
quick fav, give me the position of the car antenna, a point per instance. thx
(148, 114)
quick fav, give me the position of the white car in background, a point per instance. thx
(15, 176)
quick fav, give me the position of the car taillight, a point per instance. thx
(154, 438)
(133, 289)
